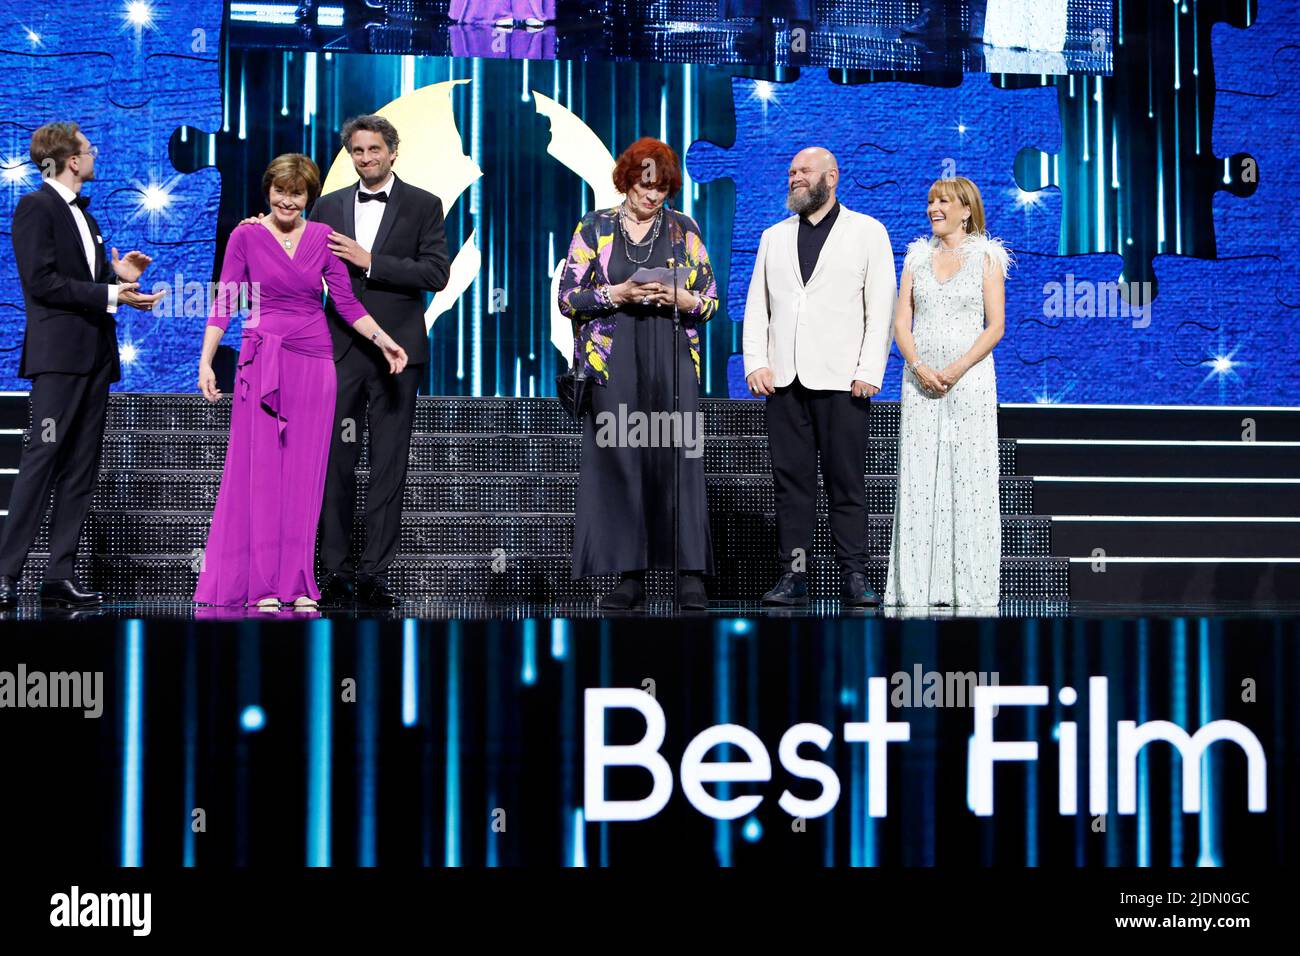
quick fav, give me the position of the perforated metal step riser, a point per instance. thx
(736, 536)
(131, 577)
(121, 490)
(480, 453)
(468, 415)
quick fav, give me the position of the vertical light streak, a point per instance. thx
(133, 743)
(320, 739)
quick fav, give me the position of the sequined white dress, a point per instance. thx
(947, 539)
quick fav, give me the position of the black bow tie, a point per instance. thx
(81, 202)
(376, 197)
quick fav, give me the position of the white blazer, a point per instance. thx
(836, 329)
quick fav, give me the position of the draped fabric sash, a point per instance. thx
(266, 348)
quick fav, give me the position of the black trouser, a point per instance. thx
(62, 453)
(364, 379)
(801, 423)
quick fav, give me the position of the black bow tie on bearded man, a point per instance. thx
(81, 202)
(377, 197)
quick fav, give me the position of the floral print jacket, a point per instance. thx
(586, 271)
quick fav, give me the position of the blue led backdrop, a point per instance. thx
(1156, 184)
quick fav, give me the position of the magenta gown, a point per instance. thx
(263, 535)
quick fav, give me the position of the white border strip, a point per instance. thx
(1137, 479)
(1111, 560)
(1184, 519)
(1160, 408)
(1156, 441)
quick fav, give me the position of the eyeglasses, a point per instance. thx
(92, 152)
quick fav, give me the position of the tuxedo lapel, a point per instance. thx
(65, 216)
(350, 212)
(792, 248)
(97, 243)
(390, 214)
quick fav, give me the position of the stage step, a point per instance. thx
(11, 447)
(1103, 495)
(483, 535)
(1142, 458)
(15, 410)
(1152, 422)
(536, 416)
(169, 489)
(1250, 582)
(1175, 537)
(478, 452)
(128, 577)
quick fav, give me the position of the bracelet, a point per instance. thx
(603, 297)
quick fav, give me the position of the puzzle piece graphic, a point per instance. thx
(902, 138)
(155, 46)
(1203, 343)
(1243, 57)
(1249, 226)
(130, 89)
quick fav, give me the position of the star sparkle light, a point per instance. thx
(1025, 200)
(1222, 366)
(138, 15)
(155, 198)
(15, 172)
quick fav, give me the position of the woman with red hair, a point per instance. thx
(624, 344)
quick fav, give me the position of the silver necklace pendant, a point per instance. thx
(288, 243)
(647, 242)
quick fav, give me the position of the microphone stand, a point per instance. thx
(677, 456)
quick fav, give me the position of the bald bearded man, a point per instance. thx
(818, 327)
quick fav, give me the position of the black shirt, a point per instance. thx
(812, 238)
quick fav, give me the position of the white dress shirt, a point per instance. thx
(835, 329)
(87, 240)
(367, 215)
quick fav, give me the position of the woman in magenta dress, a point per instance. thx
(261, 546)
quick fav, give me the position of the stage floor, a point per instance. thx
(827, 610)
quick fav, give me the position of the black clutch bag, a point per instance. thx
(573, 388)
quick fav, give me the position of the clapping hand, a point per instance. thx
(128, 293)
(129, 267)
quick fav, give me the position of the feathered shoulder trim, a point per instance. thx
(921, 248)
(995, 249)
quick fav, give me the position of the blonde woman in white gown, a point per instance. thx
(947, 540)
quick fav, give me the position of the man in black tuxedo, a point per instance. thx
(71, 290)
(391, 236)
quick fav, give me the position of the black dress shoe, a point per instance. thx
(373, 592)
(338, 590)
(790, 590)
(628, 596)
(65, 592)
(691, 595)
(8, 591)
(856, 592)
